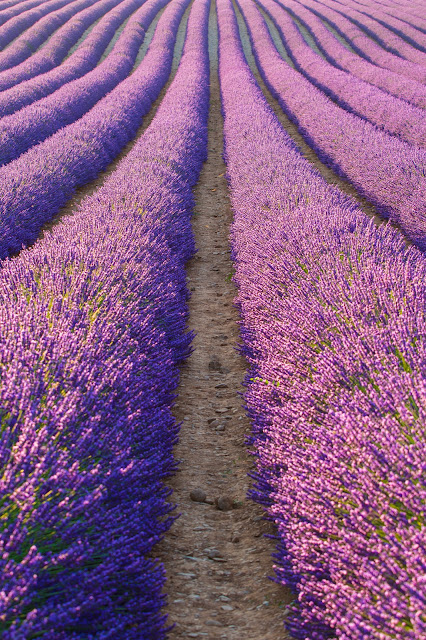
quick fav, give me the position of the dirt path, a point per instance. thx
(217, 561)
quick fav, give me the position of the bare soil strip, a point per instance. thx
(217, 561)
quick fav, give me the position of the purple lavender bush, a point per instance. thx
(334, 332)
(394, 83)
(34, 186)
(53, 52)
(387, 112)
(23, 46)
(387, 171)
(40, 120)
(83, 60)
(93, 320)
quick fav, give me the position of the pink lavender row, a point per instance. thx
(80, 62)
(386, 170)
(94, 322)
(84, 13)
(36, 122)
(370, 24)
(411, 64)
(394, 83)
(395, 116)
(34, 186)
(27, 40)
(412, 9)
(11, 9)
(407, 31)
(335, 337)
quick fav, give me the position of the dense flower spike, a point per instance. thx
(87, 439)
(81, 61)
(334, 329)
(38, 121)
(39, 182)
(388, 171)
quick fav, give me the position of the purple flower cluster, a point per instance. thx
(24, 46)
(93, 326)
(388, 171)
(365, 45)
(80, 62)
(51, 54)
(34, 186)
(43, 118)
(334, 330)
(380, 33)
(361, 98)
(394, 83)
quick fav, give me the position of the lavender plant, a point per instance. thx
(391, 114)
(333, 328)
(83, 60)
(53, 52)
(93, 321)
(394, 83)
(42, 119)
(34, 186)
(410, 66)
(388, 171)
(49, 16)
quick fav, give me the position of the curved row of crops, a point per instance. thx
(93, 313)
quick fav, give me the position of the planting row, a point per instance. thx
(43, 118)
(34, 186)
(81, 61)
(93, 321)
(25, 45)
(10, 8)
(52, 53)
(365, 46)
(389, 40)
(395, 23)
(334, 331)
(394, 83)
(388, 171)
(395, 116)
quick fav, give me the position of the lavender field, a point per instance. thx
(213, 319)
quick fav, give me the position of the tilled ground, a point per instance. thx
(218, 561)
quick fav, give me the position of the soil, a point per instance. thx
(217, 562)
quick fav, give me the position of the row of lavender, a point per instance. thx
(375, 31)
(55, 12)
(396, 84)
(81, 61)
(80, 15)
(389, 172)
(334, 330)
(34, 186)
(394, 115)
(93, 321)
(42, 118)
